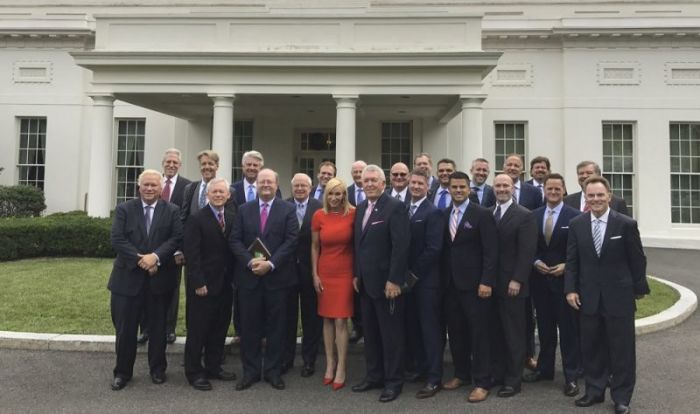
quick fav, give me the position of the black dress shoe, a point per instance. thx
(286, 367)
(587, 401)
(428, 391)
(366, 386)
(276, 382)
(223, 376)
(201, 384)
(389, 395)
(507, 391)
(571, 389)
(118, 383)
(142, 339)
(307, 371)
(158, 378)
(537, 376)
(355, 337)
(245, 383)
(411, 377)
(622, 409)
(170, 338)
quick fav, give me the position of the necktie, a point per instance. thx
(360, 196)
(497, 216)
(454, 222)
(549, 227)
(597, 236)
(165, 195)
(300, 213)
(515, 195)
(203, 196)
(263, 218)
(320, 193)
(478, 194)
(222, 224)
(412, 211)
(442, 202)
(539, 187)
(251, 194)
(398, 196)
(368, 212)
(149, 217)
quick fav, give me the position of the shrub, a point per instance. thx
(64, 234)
(21, 201)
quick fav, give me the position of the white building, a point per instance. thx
(92, 91)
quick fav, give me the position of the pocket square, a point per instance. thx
(615, 237)
(467, 225)
(564, 227)
(418, 221)
(376, 222)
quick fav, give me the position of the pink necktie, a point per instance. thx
(368, 212)
(165, 195)
(263, 218)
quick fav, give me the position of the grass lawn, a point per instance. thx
(69, 295)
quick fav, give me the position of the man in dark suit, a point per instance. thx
(441, 197)
(547, 289)
(303, 293)
(586, 169)
(605, 273)
(195, 193)
(209, 292)
(469, 267)
(517, 243)
(326, 171)
(424, 336)
(424, 161)
(264, 282)
(356, 195)
(173, 192)
(381, 253)
(540, 167)
(399, 183)
(246, 189)
(145, 234)
(482, 191)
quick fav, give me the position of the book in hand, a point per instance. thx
(258, 249)
(411, 280)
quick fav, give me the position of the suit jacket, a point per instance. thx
(427, 232)
(554, 252)
(616, 203)
(488, 199)
(209, 261)
(433, 188)
(129, 238)
(238, 193)
(381, 249)
(613, 279)
(406, 200)
(530, 197)
(177, 196)
(517, 242)
(303, 251)
(280, 238)
(471, 258)
(351, 195)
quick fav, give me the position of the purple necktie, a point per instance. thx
(263, 218)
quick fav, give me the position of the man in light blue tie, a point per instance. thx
(441, 197)
(326, 171)
(484, 192)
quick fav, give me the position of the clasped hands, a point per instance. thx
(556, 270)
(260, 266)
(148, 262)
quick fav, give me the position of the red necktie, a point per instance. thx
(263, 218)
(165, 195)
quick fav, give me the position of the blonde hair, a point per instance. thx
(331, 185)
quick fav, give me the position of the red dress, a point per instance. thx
(335, 268)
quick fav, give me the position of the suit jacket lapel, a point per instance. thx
(138, 208)
(157, 215)
(505, 217)
(377, 208)
(608, 230)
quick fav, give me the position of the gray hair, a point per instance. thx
(584, 164)
(374, 168)
(303, 176)
(217, 180)
(173, 151)
(150, 172)
(253, 154)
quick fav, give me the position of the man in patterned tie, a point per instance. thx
(605, 273)
(399, 183)
(539, 168)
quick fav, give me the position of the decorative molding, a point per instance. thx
(619, 73)
(682, 73)
(32, 72)
(512, 74)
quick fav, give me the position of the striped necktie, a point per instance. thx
(597, 236)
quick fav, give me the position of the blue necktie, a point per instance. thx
(360, 196)
(442, 202)
(251, 195)
(203, 196)
(300, 213)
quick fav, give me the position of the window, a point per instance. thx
(618, 160)
(685, 172)
(397, 144)
(130, 142)
(32, 151)
(510, 139)
(242, 143)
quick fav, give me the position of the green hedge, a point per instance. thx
(63, 234)
(21, 201)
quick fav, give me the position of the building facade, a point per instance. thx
(93, 91)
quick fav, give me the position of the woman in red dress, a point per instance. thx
(331, 261)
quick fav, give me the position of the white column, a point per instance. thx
(472, 130)
(346, 107)
(101, 165)
(222, 132)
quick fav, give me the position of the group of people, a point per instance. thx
(419, 261)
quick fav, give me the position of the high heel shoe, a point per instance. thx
(338, 385)
(327, 381)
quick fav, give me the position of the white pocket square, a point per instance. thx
(564, 227)
(418, 221)
(615, 237)
(376, 222)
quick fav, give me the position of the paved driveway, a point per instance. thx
(668, 379)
